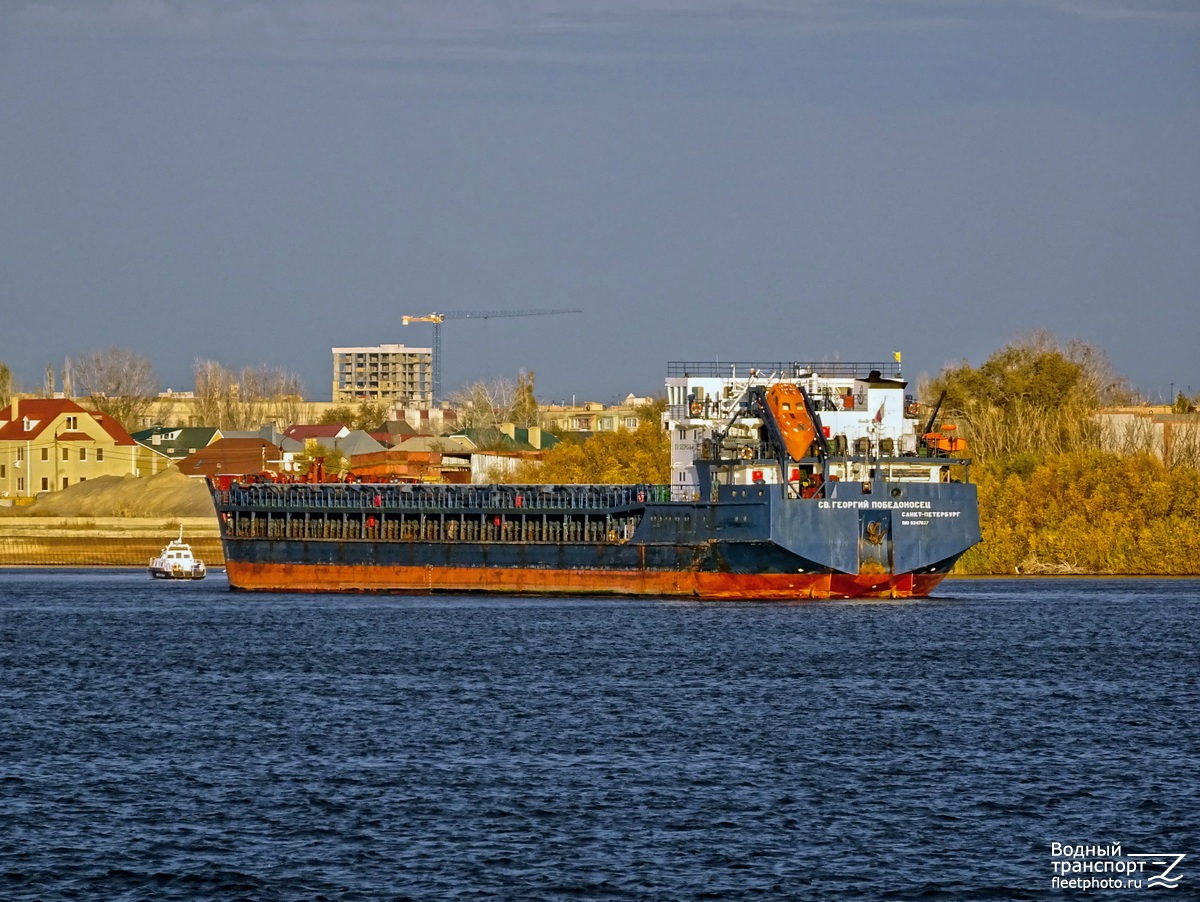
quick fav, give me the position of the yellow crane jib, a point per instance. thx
(438, 318)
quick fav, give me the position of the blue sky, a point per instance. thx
(255, 181)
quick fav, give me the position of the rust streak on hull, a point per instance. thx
(520, 581)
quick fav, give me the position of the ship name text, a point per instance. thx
(925, 507)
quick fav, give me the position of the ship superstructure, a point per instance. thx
(869, 426)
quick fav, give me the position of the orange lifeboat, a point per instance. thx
(786, 402)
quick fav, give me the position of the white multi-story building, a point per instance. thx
(392, 373)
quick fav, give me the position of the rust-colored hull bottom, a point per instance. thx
(528, 581)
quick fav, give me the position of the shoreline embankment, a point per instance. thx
(49, 541)
(103, 541)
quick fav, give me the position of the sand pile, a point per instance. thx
(169, 494)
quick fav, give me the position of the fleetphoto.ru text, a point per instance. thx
(1091, 866)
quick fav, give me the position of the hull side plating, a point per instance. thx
(745, 545)
(513, 581)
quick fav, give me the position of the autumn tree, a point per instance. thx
(1057, 494)
(525, 411)
(115, 381)
(624, 457)
(1086, 511)
(340, 413)
(334, 462)
(369, 416)
(1034, 394)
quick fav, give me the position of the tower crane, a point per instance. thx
(438, 318)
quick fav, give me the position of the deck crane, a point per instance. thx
(438, 318)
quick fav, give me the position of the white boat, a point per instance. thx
(176, 561)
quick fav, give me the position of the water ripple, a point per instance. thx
(184, 742)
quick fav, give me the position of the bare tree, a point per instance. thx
(246, 400)
(268, 393)
(117, 382)
(213, 389)
(1130, 434)
(6, 385)
(484, 405)
(1184, 448)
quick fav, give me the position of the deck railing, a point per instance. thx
(367, 496)
(788, 369)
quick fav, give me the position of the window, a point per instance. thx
(99, 454)
(66, 453)
(45, 483)
(45, 454)
(20, 483)
(64, 482)
(20, 453)
(3, 469)
(83, 453)
(72, 422)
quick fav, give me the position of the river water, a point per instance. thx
(177, 740)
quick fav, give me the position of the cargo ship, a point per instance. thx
(788, 481)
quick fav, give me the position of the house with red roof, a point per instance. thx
(48, 444)
(322, 433)
(239, 457)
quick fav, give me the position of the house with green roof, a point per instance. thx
(176, 442)
(507, 437)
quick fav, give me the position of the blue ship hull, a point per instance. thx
(875, 539)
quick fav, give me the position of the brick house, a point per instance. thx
(238, 457)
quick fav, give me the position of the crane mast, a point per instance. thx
(436, 319)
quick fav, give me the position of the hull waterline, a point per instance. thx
(431, 580)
